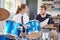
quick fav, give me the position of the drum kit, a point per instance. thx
(13, 29)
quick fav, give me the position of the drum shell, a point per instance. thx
(16, 31)
(9, 26)
(4, 38)
(34, 26)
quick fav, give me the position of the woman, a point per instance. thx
(21, 16)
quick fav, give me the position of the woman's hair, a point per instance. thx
(23, 6)
(18, 10)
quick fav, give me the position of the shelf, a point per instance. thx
(56, 2)
(56, 8)
(52, 5)
(47, 2)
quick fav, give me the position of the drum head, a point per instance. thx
(34, 35)
(4, 14)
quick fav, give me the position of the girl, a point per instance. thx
(21, 16)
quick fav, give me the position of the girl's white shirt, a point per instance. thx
(17, 18)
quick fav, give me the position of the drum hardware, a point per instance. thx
(20, 28)
(26, 26)
(17, 28)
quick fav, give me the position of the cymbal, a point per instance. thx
(4, 14)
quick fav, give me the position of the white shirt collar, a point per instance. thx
(22, 14)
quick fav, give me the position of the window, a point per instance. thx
(9, 5)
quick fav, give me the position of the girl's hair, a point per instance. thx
(18, 10)
(23, 6)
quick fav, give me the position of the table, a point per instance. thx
(47, 35)
(50, 27)
(58, 20)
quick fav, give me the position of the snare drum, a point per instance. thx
(16, 31)
(9, 26)
(33, 29)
